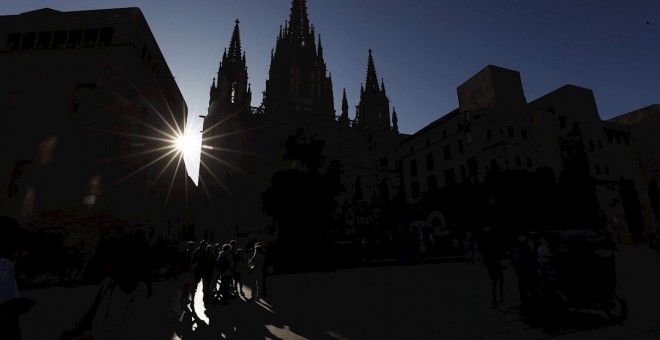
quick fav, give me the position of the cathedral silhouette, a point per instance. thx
(244, 147)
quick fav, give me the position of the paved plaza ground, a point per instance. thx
(422, 301)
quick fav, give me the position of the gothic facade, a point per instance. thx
(244, 147)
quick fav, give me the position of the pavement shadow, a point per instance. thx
(241, 319)
(569, 322)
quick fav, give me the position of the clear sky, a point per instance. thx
(423, 49)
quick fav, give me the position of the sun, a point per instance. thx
(186, 143)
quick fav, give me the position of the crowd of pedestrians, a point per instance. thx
(120, 306)
(224, 271)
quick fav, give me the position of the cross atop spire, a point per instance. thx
(235, 54)
(372, 79)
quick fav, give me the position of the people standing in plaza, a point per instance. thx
(257, 267)
(491, 253)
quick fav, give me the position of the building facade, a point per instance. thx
(89, 110)
(496, 130)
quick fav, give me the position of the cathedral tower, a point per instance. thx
(230, 92)
(374, 107)
(297, 82)
(224, 136)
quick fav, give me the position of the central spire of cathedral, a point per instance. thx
(299, 22)
(297, 82)
(372, 79)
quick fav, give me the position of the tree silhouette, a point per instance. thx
(301, 200)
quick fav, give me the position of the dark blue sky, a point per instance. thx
(423, 49)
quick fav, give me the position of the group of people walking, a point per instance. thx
(224, 270)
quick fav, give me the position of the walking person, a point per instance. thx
(225, 268)
(240, 270)
(11, 305)
(523, 260)
(202, 269)
(491, 254)
(185, 271)
(257, 267)
(468, 248)
(120, 308)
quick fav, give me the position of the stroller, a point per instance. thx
(581, 274)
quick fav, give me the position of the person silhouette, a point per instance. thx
(491, 254)
(12, 306)
(120, 307)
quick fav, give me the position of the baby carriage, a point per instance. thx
(580, 273)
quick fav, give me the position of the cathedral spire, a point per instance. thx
(343, 119)
(372, 79)
(320, 49)
(234, 54)
(395, 121)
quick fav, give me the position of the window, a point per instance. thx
(493, 165)
(105, 38)
(460, 147)
(447, 152)
(414, 188)
(43, 41)
(468, 137)
(523, 133)
(510, 130)
(75, 36)
(233, 93)
(413, 168)
(444, 134)
(518, 163)
(13, 40)
(489, 135)
(59, 39)
(473, 168)
(89, 38)
(429, 162)
(592, 146)
(450, 177)
(607, 170)
(600, 145)
(529, 162)
(384, 162)
(432, 183)
(428, 142)
(463, 173)
(562, 122)
(28, 40)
